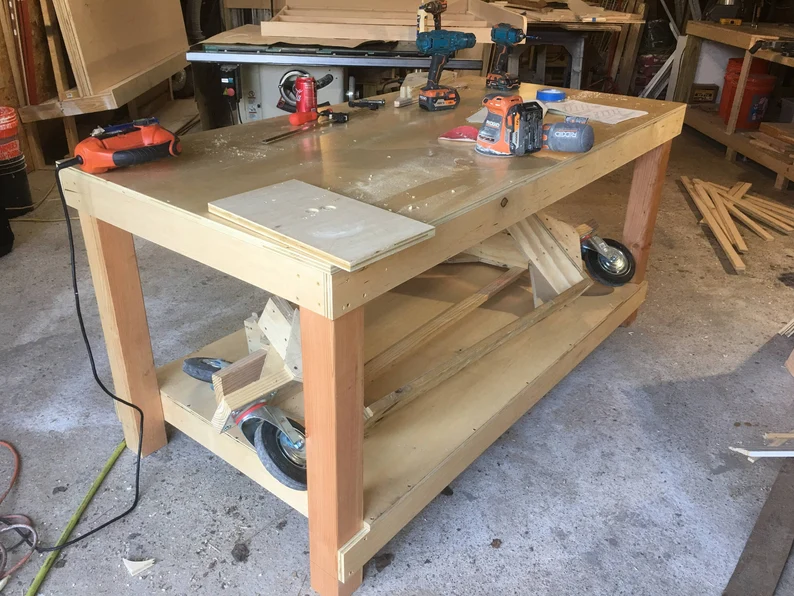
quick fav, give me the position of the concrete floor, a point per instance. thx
(619, 482)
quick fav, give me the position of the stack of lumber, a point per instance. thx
(775, 137)
(720, 206)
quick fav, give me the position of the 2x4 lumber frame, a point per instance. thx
(487, 429)
(333, 389)
(645, 195)
(401, 397)
(117, 284)
(382, 362)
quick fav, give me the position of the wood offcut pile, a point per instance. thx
(775, 137)
(720, 206)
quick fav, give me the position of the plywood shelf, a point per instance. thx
(712, 125)
(115, 97)
(407, 461)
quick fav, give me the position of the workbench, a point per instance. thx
(709, 122)
(363, 489)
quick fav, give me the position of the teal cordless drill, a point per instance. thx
(504, 37)
(440, 45)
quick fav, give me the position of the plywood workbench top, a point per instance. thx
(390, 158)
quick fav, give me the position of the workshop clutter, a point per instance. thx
(755, 100)
(15, 199)
(719, 206)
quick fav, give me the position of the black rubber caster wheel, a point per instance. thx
(203, 368)
(286, 463)
(616, 273)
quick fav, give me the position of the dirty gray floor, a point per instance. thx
(619, 482)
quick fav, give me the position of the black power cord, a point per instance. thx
(62, 165)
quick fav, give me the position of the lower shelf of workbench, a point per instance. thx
(412, 454)
(711, 124)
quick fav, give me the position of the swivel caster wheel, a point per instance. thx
(608, 261)
(285, 460)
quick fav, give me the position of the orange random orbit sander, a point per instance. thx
(511, 127)
(124, 145)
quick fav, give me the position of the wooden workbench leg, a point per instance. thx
(644, 197)
(333, 393)
(114, 269)
(737, 99)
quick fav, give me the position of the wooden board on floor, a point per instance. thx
(333, 228)
(109, 41)
(699, 196)
(769, 545)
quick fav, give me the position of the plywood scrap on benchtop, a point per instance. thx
(332, 228)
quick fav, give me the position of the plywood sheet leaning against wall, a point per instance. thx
(109, 41)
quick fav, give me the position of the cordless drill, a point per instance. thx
(440, 45)
(504, 37)
(435, 8)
